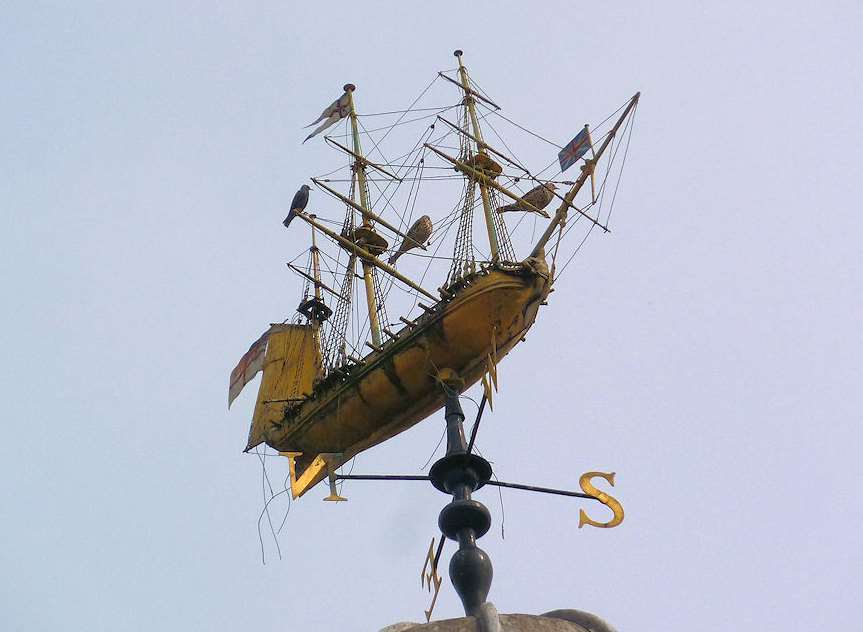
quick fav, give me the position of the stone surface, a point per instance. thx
(554, 621)
(509, 623)
(586, 620)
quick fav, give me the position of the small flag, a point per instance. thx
(576, 148)
(248, 367)
(331, 115)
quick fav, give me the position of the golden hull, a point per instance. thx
(398, 386)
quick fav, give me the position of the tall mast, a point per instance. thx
(316, 263)
(316, 273)
(359, 168)
(470, 102)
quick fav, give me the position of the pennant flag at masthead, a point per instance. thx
(331, 115)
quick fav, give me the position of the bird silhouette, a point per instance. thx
(415, 237)
(301, 198)
(539, 196)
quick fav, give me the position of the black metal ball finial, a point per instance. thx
(460, 473)
(471, 573)
(349, 87)
(458, 52)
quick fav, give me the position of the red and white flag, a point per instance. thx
(336, 111)
(248, 367)
(576, 148)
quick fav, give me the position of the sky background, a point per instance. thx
(707, 350)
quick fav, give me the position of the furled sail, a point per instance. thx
(292, 364)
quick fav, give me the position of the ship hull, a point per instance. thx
(398, 385)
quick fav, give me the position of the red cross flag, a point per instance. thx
(576, 148)
(335, 112)
(248, 367)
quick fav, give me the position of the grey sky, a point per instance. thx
(707, 350)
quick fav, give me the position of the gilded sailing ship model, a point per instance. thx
(338, 379)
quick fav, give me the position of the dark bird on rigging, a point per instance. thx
(301, 198)
(416, 237)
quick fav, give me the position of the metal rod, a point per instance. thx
(476, 423)
(439, 550)
(544, 490)
(380, 477)
(454, 415)
(464, 520)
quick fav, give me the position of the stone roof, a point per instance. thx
(554, 621)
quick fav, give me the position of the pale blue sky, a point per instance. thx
(707, 350)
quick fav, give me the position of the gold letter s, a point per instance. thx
(604, 498)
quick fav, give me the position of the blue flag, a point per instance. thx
(576, 148)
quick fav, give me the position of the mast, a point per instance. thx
(469, 102)
(316, 272)
(347, 291)
(359, 168)
(314, 309)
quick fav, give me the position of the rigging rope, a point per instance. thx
(623, 162)
(629, 124)
(524, 129)
(442, 107)
(419, 118)
(410, 168)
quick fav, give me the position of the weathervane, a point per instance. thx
(338, 380)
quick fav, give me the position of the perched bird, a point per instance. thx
(301, 198)
(486, 165)
(540, 196)
(417, 236)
